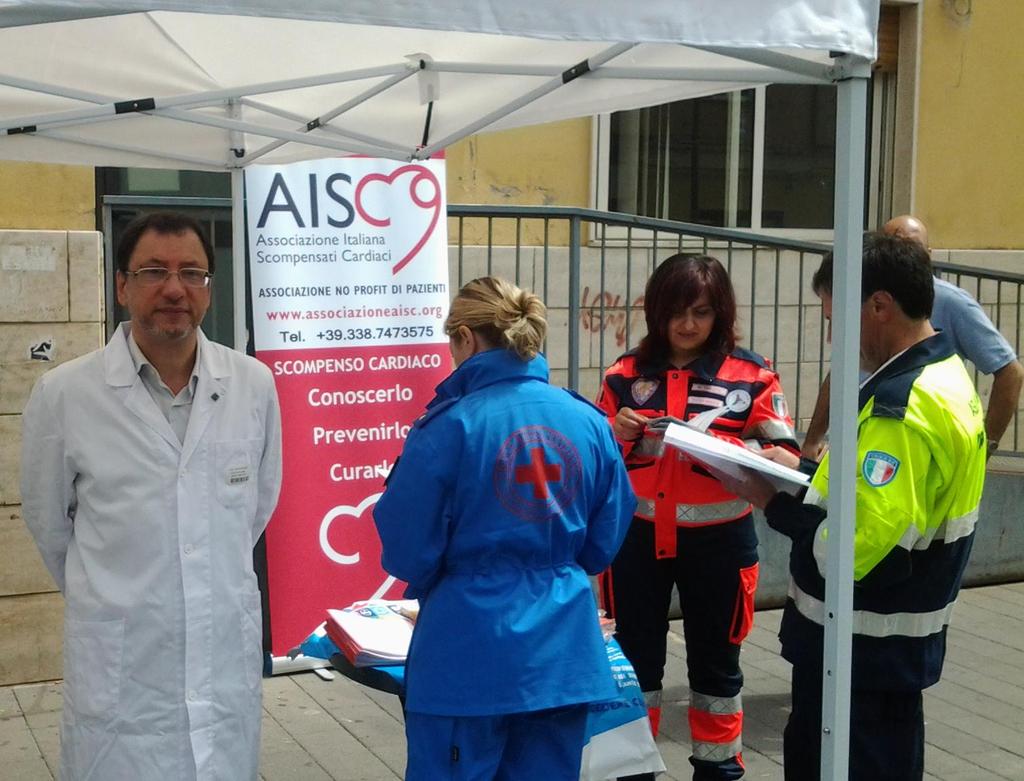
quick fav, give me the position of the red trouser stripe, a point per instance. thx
(654, 715)
(714, 728)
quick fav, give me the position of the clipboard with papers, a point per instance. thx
(730, 458)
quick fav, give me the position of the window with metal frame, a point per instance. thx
(761, 158)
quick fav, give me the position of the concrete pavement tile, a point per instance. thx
(976, 616)
(363, 718)
(769, 620)
(1000, 762)
(950, 739)
(283, 759)
(777, 667)
(984, 683)
(39, 697)
(997, 671)
(45, 728)
(323, 738)
(954, 694)
(981, 727)
(974, 774)
(944, 764)
(981, 650)
(388, 703)
(766, 714)
(21, 757)
(676, 756)
(9, 707)
(995, 599)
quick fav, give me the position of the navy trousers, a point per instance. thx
(545, 745)
(714, 571)
(886, 732)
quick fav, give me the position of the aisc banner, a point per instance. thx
(349, 270)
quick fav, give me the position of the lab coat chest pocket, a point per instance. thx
(93, 653)
(235, 465)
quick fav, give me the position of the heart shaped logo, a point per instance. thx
(419, 178)
(348, 559)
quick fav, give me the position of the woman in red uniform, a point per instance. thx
(688, 530)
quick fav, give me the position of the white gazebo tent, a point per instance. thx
(219, 85)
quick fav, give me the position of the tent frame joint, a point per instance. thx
(135, 106)
(848, 66)
(577, 70)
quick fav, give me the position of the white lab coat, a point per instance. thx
(150, 541)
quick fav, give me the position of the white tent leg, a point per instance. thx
(238, 256)
(849, 218)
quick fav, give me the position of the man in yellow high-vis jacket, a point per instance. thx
(921, 467)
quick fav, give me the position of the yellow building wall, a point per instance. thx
(35, 196)
(970, 157)
(544, 165)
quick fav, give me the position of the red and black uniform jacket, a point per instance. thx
(671, 489)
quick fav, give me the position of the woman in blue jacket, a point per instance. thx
(508, 493)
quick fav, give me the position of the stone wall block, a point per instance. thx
(85, 276)
(33, 276)
(21, 567)
(10, 459)
(32, 641)
(19, 370)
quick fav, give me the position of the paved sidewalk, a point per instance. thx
(315, 730)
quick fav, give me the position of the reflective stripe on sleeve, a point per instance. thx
(871, 624)
(949, 531)
(771, 430)
(814, 498)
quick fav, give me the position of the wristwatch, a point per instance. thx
(993, 446)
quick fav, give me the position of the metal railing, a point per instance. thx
(999, 294)
(590, 268)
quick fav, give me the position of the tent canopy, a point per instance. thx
(219, 85)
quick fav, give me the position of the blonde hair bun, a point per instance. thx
(504, 314)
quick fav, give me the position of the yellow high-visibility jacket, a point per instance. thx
(920, 471)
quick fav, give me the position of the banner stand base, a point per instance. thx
(283, 665)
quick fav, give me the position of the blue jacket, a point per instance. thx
(507, 494)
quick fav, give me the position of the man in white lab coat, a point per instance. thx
(149, 470)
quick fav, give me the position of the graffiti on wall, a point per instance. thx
(615, 315)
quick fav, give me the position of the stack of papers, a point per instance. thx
(375, 632)
(732, 459)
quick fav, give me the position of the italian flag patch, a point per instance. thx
(879, 468)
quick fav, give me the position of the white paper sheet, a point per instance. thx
(730, 458)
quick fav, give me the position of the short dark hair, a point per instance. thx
(900, 267)
(164, 223)
(675, 284)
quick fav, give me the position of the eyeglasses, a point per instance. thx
(152, 277)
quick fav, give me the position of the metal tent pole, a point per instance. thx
(851, 75)
(238, 256)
